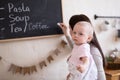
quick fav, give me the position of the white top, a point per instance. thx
(78, 52)
(97, 59)
(74, 61)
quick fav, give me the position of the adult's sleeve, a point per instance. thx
(99, 63)
(70, 42)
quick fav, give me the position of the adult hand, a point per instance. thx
(63, 27)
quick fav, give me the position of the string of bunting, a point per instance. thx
(31, 69)
(22, 70)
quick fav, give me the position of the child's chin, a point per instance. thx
(77, 43)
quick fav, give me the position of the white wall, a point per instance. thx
(31, 52)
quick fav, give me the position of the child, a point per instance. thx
(81, 58)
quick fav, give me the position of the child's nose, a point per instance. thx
(76, 35)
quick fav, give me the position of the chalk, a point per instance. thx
(58, 24)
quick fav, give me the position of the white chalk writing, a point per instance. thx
(37, 26)
(14, 19)
(21, 8)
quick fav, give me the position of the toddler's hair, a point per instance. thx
(84, 23)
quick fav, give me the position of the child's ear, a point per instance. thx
(90, 37)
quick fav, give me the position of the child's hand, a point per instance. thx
(63, 27)
(68, 76)
(81, 68)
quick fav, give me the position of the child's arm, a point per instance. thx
(82, 67)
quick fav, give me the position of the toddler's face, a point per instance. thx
(81, 33)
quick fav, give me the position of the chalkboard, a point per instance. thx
(29, 18)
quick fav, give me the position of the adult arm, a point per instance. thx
(99, 62)
(64, 29)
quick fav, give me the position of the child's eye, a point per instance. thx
(80, 34)
(74, 32)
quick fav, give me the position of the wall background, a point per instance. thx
(31, 52)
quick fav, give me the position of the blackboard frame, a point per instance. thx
(38, 36)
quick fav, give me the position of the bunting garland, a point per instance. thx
(31, 69)
(56, 52)
(50, 58)
(42, 64)
(63, 43)
(22, 70)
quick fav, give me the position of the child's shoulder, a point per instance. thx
(83, 47)
(86, 45)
